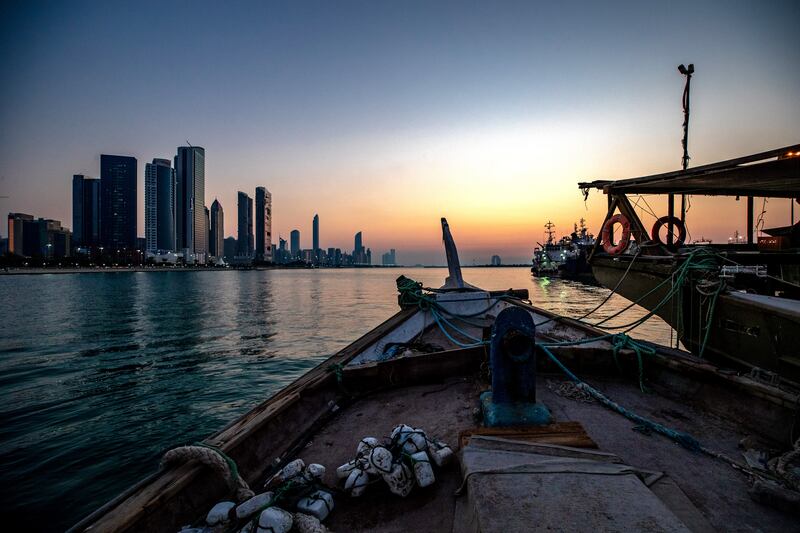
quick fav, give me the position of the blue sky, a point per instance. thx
(384, 116)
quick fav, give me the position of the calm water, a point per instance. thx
(101, 373)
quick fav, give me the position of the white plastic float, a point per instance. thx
(262, 513)
(220, 513)
(317, 504)
(404, 461)
(274, 520)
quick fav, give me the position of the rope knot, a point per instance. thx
(621, 341)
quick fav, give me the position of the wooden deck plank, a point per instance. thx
(562, 433)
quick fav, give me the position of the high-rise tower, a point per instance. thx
(294, 243)
(118, 207)
(159, 206)
(263, 223)
(244, 242)
(315, 238)
(191, 232)
(85, 210)
(217, 233)
(358, 250)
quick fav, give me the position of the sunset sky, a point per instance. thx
(384, 116)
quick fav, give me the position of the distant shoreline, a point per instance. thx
(118, 270)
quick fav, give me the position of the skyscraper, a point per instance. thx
(244, 243)
(207, 226)
(191, 231)
(315, 238)
(229, 246)
(159, 206)
(294, 239)
(359, 257)
(389, 258)
(217, 232)
(16, 232)
(359, 247)
(282, 253)
(118, 208)
(85, 210)
(263, 223)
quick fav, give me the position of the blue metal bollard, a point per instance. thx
(512, 400)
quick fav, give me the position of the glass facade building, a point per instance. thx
(294, 243)
(244, 243)
(191, 230)
(216, 235)
(315, 237)
(85, 211)
(263, 223)
(118, 208)
(159, 206)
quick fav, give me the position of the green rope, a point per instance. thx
(338, 369)
(622, 341)
(234, 470)
(684, 439)
(710, 317)
(707, 261)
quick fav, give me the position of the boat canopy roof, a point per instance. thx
(774, 174)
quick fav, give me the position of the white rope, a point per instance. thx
(216, 461)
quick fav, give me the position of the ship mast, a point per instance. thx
(549, 232)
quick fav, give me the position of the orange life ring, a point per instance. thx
(654, 233)
(622, 245)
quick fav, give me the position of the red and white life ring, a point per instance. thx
(622, 245)
(654, 233)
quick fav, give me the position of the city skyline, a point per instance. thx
(171, 196)
(398, 115)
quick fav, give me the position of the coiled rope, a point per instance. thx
(217, 460)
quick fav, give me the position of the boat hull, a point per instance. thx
(746, 331)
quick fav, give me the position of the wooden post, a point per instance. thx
(749, 220)
(671, 213)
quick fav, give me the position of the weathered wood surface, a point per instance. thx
(562, 433)
(740, 176)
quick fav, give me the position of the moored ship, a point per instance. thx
(566, 258)
(736, 303)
